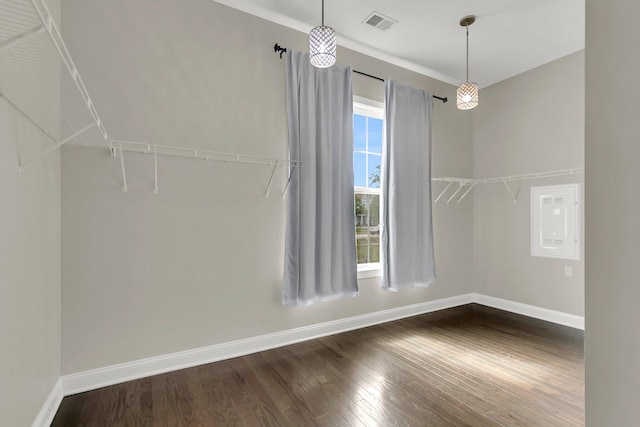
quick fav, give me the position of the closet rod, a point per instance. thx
(279, 49)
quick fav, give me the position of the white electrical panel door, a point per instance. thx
(555, 221)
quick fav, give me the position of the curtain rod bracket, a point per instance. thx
(277, 48)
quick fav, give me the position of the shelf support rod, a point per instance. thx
(20, 37)
(461, 185)
(273, 172)
(286, 187)
(55, 147)
(443, 191)
(514, 196)
(124, 175)
(155, 169)
(466, 192)
(26, 116)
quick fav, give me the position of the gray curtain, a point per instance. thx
(407, 231)
(320, 252)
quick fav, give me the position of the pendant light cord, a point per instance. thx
(467, 51)
(323, 13)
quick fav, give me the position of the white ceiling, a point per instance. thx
(508, 38)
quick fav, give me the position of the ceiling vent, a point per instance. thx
(379, 21)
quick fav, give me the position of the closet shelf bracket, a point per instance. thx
(155, 170)
(442, 193)
(23, 163)
(273, 172)
(462, 183)
(513, 196)
(53, 148)
(124, 174)
(286, 187)
(466, 192)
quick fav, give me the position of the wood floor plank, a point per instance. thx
(507, 389)
(466, 366)
(412, 396)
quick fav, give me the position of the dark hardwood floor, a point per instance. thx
(466, 366)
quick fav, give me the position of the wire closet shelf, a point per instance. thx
(26, 20)
(18, 20)
(206, 155)
(464, 185)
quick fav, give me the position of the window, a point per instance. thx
(367, 155)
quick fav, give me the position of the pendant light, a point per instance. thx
(467, 92)
(322, 45)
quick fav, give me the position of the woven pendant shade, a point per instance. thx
(322, 47)
(467, 96)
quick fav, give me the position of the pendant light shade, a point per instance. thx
(467, 92)
(322, 45)
(467, 96)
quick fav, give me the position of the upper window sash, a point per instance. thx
(368, 107)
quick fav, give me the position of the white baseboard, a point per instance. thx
(558, 317)
(109, 375)
(50, 407)
(101, 377)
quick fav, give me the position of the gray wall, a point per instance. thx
(201, 263)
(29, 240)
(612, 214)
(533, 122)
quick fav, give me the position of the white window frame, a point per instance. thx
(370, 108)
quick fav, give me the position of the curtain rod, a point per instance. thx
(279, 49)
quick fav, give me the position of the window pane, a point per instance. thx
(360, 169)
(360, 209)
(362, 247)
(359, 133)
(374, 227)
(375, 135)
(362, 236)
(373, 205)
(374, 249)
(367, 207)
(374, 171)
